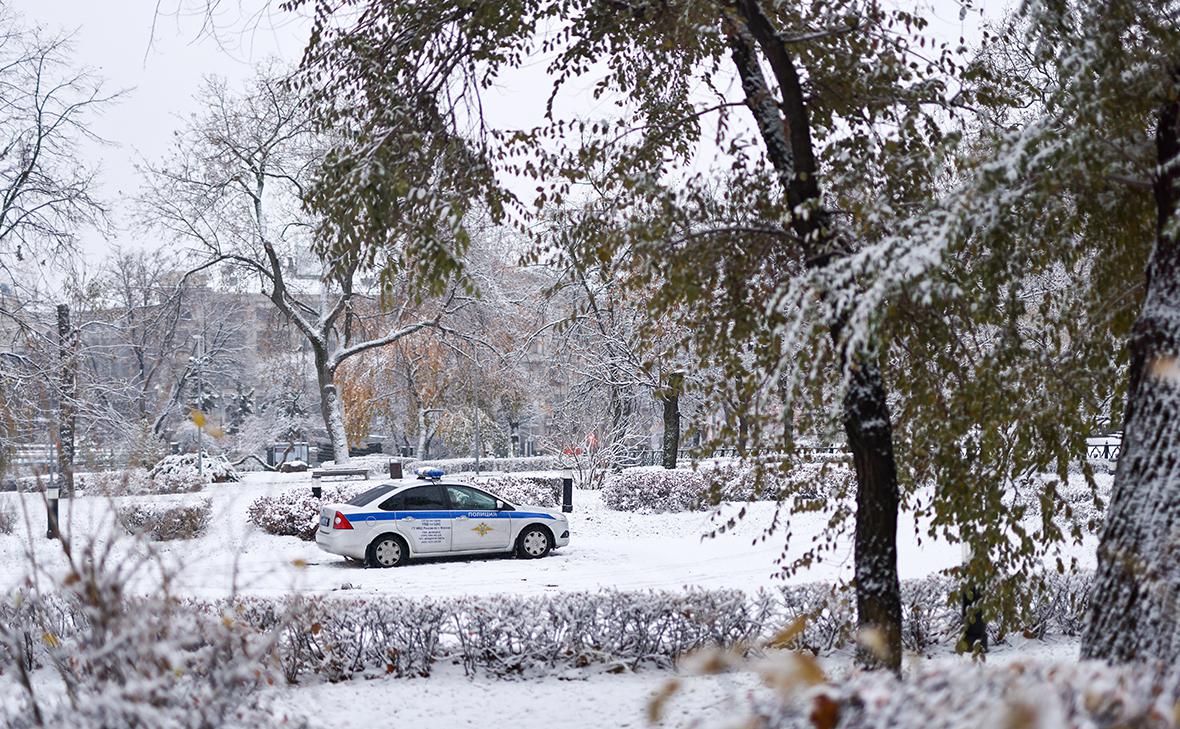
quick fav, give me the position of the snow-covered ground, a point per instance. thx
(609, 549)
(592, 701)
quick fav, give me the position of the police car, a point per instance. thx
(425, 517)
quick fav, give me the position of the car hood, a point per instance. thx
(552, 513)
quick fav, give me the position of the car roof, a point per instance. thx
(403, 484)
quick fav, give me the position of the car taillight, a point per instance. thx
(341, 522)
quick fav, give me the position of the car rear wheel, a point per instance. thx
(533, 543)
(387, 550)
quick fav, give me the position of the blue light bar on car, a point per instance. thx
(433, 474)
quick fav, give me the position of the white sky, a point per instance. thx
(162, 70)
(161, 75)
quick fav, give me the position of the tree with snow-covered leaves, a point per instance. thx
(849, 109)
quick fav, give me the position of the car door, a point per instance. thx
(477, 525)
(424, 519)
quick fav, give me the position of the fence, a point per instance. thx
(655, 457)
(1100, 448)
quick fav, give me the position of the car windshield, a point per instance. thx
(366, 496)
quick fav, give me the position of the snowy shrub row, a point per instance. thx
(166, 522)
(947, 695)
(176, 474)
(496, 465)
(127, 661)
(507, 636)
(533, 489)
(502, 636)
(184, 465)
(928, 620)
(138, 482)
(296, 512)
(657, 489)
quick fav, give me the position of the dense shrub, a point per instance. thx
(166, 522)
(184, 465)
(657, 489)
(295, 512)
(139, 482)
(127, 660)
(970, 694)
(929, 619)
(507, 636)
(534, 489)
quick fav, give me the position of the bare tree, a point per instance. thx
(46, 193)
(46, 196)
(234, 189)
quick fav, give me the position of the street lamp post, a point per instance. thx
(52, 496)
(200, 419)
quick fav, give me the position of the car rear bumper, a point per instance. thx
(341, 542)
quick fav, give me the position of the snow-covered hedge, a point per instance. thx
(184, 465)
(946, 695)
(128, 661)
(495, 465)
(657, 489)
(139, 482)
(503, 636)
(295, 512)
(533, 489)
(927, 618)
(164, 522)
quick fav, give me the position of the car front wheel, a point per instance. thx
(534, 543)
(387, 551)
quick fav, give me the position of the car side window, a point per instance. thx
(465, 498)
(424, 498)
(393, 503)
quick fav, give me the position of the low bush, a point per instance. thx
(509, 636)
(657, 489)
(929, 618)
(295, 512)
(139, 482)
(184, 465)
(166, 522)
(947, 695)
(533, 489)
(130, 482)
(127, 660)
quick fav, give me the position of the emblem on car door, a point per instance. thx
(483, 529)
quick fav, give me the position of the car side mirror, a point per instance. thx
(501, 506)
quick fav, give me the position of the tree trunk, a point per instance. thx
(423, 451)
(868, 428)
(785, 127)
(1135, 605)
(67, 408)
(671, 399)
(331, 409)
